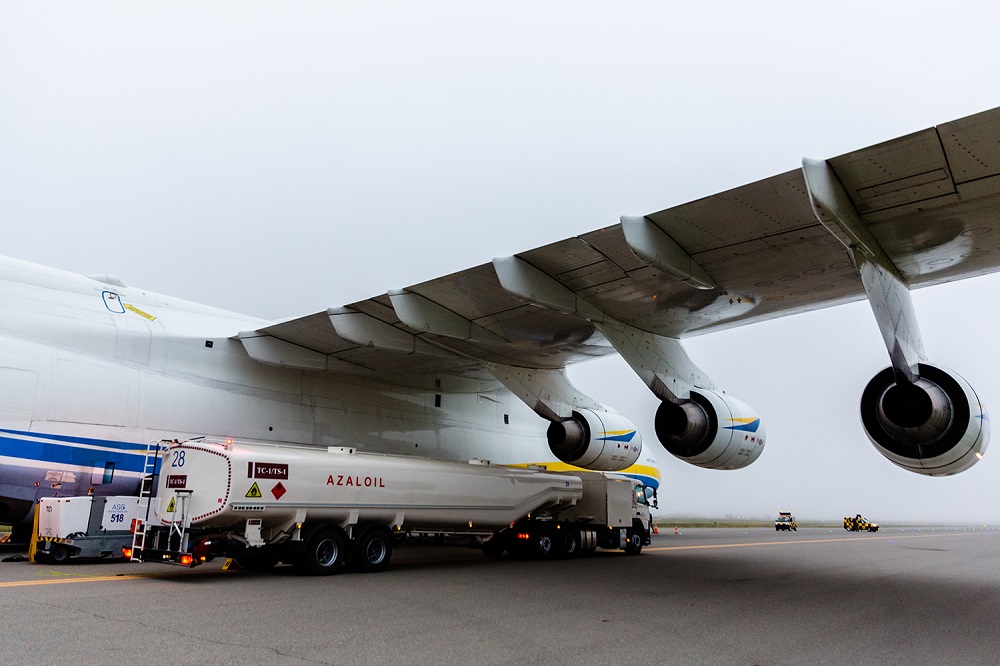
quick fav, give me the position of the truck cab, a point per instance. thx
(613, 513)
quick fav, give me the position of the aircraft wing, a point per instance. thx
(930, 199)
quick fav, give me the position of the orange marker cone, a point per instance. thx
(656, 528)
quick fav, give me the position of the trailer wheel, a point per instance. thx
(373, 550)
(324, 553)
(569, 543)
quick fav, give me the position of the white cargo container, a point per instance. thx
(319, 509)
(84, 526)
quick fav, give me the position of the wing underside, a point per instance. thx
(930, 199)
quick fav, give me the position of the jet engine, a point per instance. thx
(710, 430)
(595, 440)
(934, 426)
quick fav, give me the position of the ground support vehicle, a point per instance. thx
(85, 526)
(785, 522)
(859, 524)
(321, 509)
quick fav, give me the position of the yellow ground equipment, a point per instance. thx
(785, 521)
(859, 524)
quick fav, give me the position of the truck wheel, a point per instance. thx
(324, 553)
(569, 543)
(373, 551)
(544, 543)
(634, 544)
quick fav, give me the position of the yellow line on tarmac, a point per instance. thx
(799, 541)
(98, 579)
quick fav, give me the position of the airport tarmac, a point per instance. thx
(704, 596)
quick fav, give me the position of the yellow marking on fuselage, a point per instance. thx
(139, 312)
(645, 470)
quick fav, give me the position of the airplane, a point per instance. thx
(473, 364)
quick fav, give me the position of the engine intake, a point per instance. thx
(934, 426)
(595, 440)
(711, 430)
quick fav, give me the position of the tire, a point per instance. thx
(544, 544)
(634, 544)
(569, 544)
(324, 553)
(372, 551)
(58, 554)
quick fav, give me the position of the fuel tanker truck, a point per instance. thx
(324, 510)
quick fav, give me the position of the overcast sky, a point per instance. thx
(280, 158)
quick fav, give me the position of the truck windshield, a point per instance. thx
(640, 494)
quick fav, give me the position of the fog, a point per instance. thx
(280, 158)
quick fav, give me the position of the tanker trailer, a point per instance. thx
(321, 509)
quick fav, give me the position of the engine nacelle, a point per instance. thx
(935, 426)
(595, 440)
(710, 430)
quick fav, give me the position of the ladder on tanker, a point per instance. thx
(146, 490)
